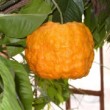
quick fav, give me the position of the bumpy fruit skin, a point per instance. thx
(60, 50)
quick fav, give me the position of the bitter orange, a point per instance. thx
(57, 50)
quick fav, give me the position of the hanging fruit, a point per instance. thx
(55, 50)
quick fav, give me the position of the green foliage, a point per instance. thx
(14, 45)
(9, 99)
(39, 7)
(23, 86)
(72, 10)
(20, 25)
(107, 27)
(15, 89)
(56, 91)
(17, 26)
(13, 50)
(22, 92)
(96, 17)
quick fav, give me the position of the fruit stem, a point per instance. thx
(59, 10)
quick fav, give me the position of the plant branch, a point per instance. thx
(14, 7)
(4, 52)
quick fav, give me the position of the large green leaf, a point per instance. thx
(20, 25)
(34, 7)
(23, 85)
(9, 101)
(72, 10)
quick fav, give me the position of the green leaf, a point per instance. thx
(34, 7)
(9, 101)
(26, 67)
(13, 50)
(40, 106)
(39, 103)
(72, 10)
(13, 41)
(98, 24)
(59, 97)
(80, 4)
(20, 25)
(90, 15)
(49, 2)
(51, 92)
(103, 10)
(99, 36)
(23, 85)
(56, 91)
(14, 46)
(39, 100)
(107, 27)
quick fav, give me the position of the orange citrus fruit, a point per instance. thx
(57, 50)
